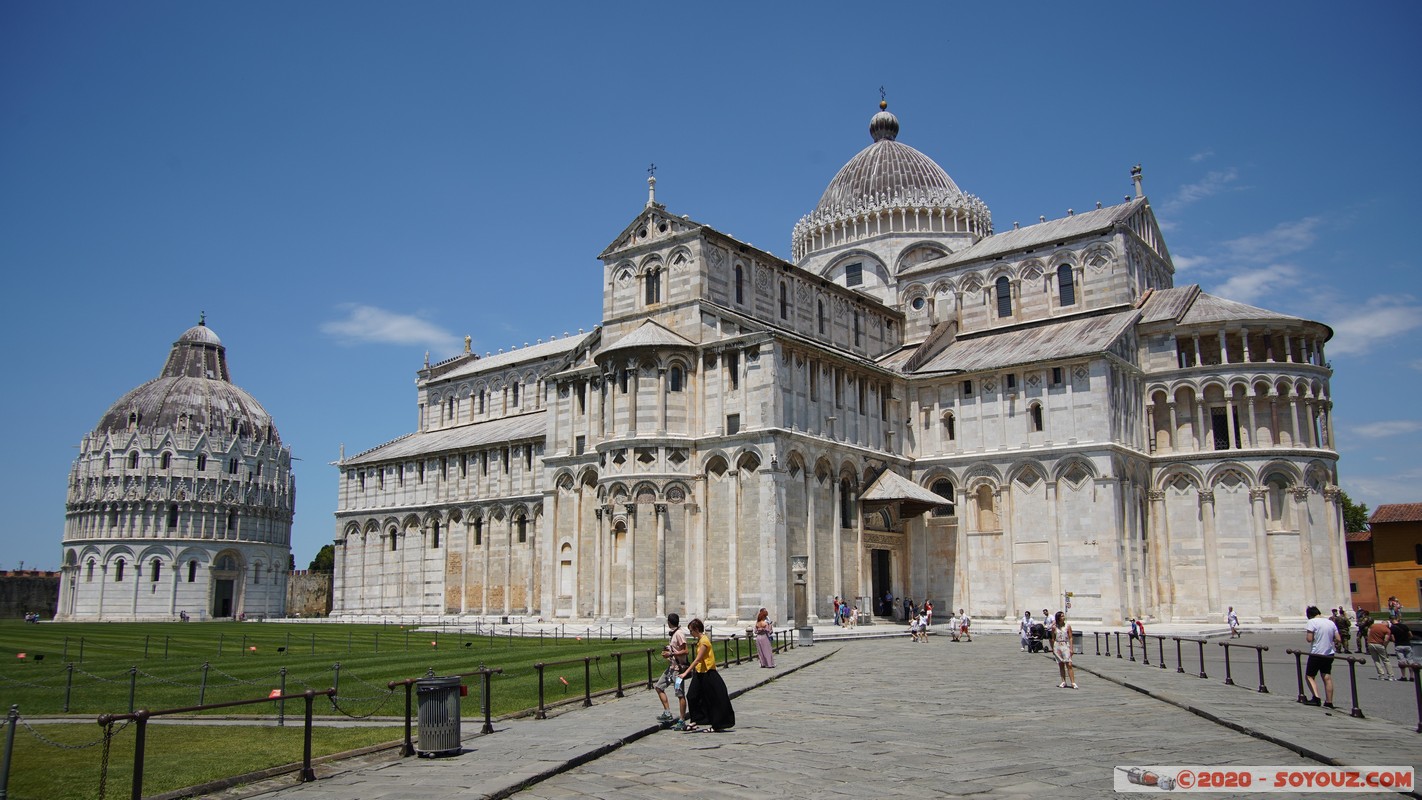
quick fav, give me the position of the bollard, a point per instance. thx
(1161, 640)
(202, 687)
(132, 688)
(281, 704)
(1118, 645)
(618, 658)
(377, 641)
(336, 684)
(13, 717)
(1097, 636)
(1417, 689)
(587, 681)
(165, 648)
(542, 712)
(1353, 685)
(487, 702)
(1145, 651)
(140, 736)
(1108, 644)
(68, 684)
(1229, 678)
(650, 680)
(1131, 643)
(1179, 665)
(307, 773)
(1298, 672)
(1201, 643)
(81, 649)
(65, 657)
(1260, 651)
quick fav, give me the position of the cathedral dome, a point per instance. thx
(887, 176)
(194, 393)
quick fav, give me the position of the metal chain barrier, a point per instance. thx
(104, 760)
(27, 684)
(168, 681)
(378, 706)
(62, 746)
(101, 678)
(235, 679)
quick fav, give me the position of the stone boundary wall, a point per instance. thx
(308, 594)
(24, 591)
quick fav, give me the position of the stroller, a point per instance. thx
(1035, 636)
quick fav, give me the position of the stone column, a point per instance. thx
(630, 574)
(1299, 495)
(837, 532)
(1212, 577)
(661, 400)
(661, 513)
(813, 596)
(1258, 497)
(1337, 542)
(733, 525)
(1174, 427)
(600, 562)
(1161, 585)
(697, 567)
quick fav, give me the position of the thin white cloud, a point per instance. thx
(1183, 263)
(371, 325)
(1212, 184)
(1358, 327)
(1202, 156)
(1387, 428)
(1417, 365)
(1393, 487)
(1252, 286)
(1283, 239)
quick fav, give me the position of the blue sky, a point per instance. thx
(343, 186)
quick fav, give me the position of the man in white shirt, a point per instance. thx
(1323, 638)
(1024, 629)
(1233, 620)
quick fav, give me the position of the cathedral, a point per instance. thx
(183, 489)
(917, 404)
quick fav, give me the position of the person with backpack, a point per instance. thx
(675, 655)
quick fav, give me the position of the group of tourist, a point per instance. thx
(702, 699)
(1327, 635)
(32, 617)
(845, 615)
(1055, 629)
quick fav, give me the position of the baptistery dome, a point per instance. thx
(193, 393)
(180, 501)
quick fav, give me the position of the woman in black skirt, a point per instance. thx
(707, 702)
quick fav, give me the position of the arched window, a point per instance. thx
(522, 526)
(846, 505)
(654, 286)
(449, 413)
(565, 570)
(1066, 289)
(740, 285)
(231, 522)
(784, 301)
(821, 315)
(157, 569)
(192, 571)
(133, 460)
(857, 329)
(675, 379)
(108, 460)
(515, 389)
(118, 571)
(944, 489)
(478, 532)
(257, 572)
(434, 535)
(1035, 412)
(172, 516)
(950, 426)
(202, 462)
(1004, 297)
(165, 461)
(89, 577)
(1277, 506)
(393, 545)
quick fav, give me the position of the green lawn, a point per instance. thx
(175, 756)
(165, 663)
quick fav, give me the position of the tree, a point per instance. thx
(325, 560)
(1355, 516)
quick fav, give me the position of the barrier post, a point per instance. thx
(11, 719)
(307, 773)
(1108, 644)
(132, 688)
(1097, 636)
(139, 738)
(1145, 651)
(1353, 685)
(1131, 643)
(1201, 642)
(650, 679)
(542, 712)
(336, 687)
(587, 681)
(487, 701)
(1179, 665)
(202, 687)
(281, 704)
(1161, 640)
(1229, 678)
(618, 658)
(1298, 672)
(1118, 645)
(68, 684)
(1260, 651)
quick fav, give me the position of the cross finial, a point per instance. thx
(882, 94)
(651, 185)
(202, 317)
(652, 170)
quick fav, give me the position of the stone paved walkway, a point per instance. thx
(888, 718)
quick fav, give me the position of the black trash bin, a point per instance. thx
(438, 700)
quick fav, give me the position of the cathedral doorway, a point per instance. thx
(225, 575)
(222, 599)
(879, 580)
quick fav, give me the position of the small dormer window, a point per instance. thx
(854, 275)
(166, 461)
(234, 427)
(133, 460)
(201, 462)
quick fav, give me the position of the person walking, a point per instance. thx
(708, 704)
(675, 655)
(1343, 624)
(1233, 620)
(1365, 621)
(1402, 645)
(1024, 629)
(763, 645)
(1322, 637)
(964, 623)
(927, 614)
(1061, 648)
(1379, 635)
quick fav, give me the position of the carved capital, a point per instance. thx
(1333, 494)
(631, 509)
(1207, 496)
(1155, 495)
(661, 508)
(1258, 492)
(597, 512)
(1301, 492)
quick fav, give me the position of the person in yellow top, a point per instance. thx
(708, 704)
